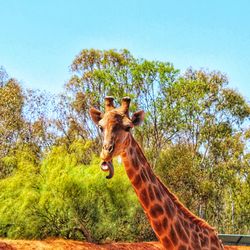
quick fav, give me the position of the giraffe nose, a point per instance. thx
(108, 147)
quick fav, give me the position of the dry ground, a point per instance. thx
(60, 244)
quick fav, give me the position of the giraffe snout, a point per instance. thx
(107, 151)
(108, 147)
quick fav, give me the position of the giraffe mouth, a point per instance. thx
(108, 167)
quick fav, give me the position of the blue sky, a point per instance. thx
(39, 39)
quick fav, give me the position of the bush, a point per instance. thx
(64, 199)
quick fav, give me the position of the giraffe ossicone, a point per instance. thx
(174, 225)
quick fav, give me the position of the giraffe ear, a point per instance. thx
(96, 115)
(138, 117)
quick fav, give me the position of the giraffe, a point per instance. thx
(174, 225)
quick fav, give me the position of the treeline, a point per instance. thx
(196, 136)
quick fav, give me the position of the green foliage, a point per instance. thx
(63, 198)
(176, 167)
(219, 192)
(97, 74)
(18, 194)
(195, 135)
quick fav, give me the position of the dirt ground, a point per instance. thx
(60, 244)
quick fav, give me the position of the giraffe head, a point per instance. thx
(115, 125)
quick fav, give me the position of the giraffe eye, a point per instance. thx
(100, 127)
(127, 128)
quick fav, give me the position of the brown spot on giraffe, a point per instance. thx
(185, 225)
(144, 198)
(156, 210)
(204, 241)
(151, 193)
(175, 226)
(157, 225)
(180, 231)
(143, 175)
(170, 210)
(195, 240)
(131, 151)
(130, 173)
(135, 163)
(158, 193)
(173, 236)
(165, 223)
(153, 179)
(137, 181)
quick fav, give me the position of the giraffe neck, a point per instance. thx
(174, 225)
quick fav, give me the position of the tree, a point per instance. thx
(101, 73)
(11, 122)
(194, 115)
(195, 134)
(209, 121)
(24, 120)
